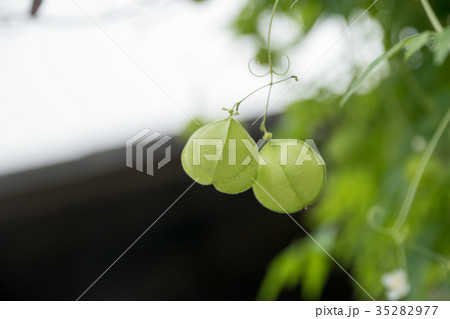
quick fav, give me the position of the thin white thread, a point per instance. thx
(134, 242)
(134, 61)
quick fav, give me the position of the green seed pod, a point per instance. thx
(292, 178)
(223, 154)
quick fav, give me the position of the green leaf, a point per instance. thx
(303, 262)
(223, 154)
(441, 46)
(316, 274)
(289, 182)
(417, 43)
(285, 270)
(396, 48)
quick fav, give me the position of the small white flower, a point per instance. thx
(418, 143)
(396, 284)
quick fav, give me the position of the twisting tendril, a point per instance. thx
(271, 72)
(287, 66)
(371, 217)
(257, 61)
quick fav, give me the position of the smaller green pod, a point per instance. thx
(290, 176)
(223, 154)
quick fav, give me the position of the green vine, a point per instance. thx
(432, 16)
(396, 231)
(234, 110)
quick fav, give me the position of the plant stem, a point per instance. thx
(431, 15)
(236, 106)
(269, 54)
(402, 256)
(431, 254)
(404, 210)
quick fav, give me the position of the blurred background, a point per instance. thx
(79, 78)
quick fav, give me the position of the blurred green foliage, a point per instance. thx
(372, 147)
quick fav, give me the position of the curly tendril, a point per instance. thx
(287, 66)
(371, 217)
(271, 72)
(257, 61)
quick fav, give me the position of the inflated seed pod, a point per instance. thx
(292, 178)
(223, 154)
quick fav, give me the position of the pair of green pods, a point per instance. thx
(286, 175)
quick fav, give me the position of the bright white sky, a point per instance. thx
(67, 90)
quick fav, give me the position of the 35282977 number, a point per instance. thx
(406, 310)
